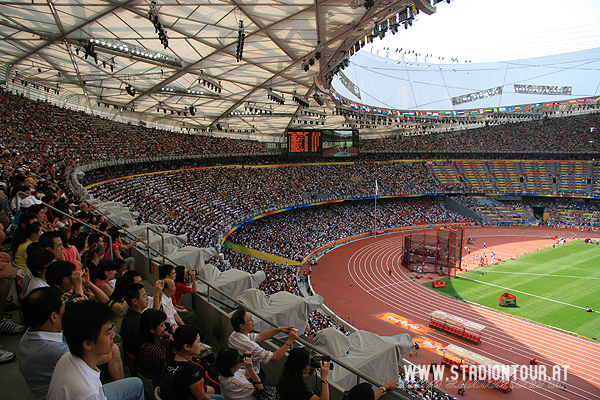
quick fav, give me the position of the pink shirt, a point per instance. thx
(71, 256)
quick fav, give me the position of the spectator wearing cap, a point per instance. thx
(22, 200)
(29, 201)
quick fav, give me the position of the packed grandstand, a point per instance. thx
(202, 203)
(254, 167)
(206, 185)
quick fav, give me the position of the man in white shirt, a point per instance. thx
(167, 304)
(87, 329)
(245, 340)
(42, 345)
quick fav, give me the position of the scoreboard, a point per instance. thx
(322, 143)
(304, 143)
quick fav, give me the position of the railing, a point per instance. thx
(150, 229)
(396, 394)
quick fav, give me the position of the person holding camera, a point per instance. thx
(291, 384)
(243, 339)
(237, 383)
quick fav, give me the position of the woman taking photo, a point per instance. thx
(237, 383)
(291, 385)
(181, 379)
(152, 354)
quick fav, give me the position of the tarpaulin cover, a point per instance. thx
(191, 257)
(373, 355)
(282, 308)
(233, 282)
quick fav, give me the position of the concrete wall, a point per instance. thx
(455, 206)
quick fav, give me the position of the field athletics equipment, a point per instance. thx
(457, 326)
(436, 251)
(508, 300)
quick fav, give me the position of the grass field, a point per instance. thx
(552, 286)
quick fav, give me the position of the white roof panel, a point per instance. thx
(202, 35)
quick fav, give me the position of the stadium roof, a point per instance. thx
(106, 56)
(417, 86)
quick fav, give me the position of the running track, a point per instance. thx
(355, 283)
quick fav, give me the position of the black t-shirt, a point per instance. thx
(176, 379)
(297, 392)
(130, 330)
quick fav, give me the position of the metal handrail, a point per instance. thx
(396, 394)
(148, 229)
(305, 343)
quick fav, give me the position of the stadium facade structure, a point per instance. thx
(413, 86)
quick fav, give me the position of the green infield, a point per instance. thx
(553, 286)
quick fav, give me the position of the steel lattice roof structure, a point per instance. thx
(106, 57)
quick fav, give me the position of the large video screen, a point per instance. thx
(340, 143)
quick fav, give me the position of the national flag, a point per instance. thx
(376, 188)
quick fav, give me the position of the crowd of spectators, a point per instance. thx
(317, 321)
(421, 389)
(200, 202)
(278, 277)
(36, 129)
(467, 201)
(40, 141)
(562, 135)
(295, 233)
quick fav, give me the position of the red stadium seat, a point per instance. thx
(131, 359)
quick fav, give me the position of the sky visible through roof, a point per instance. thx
(490, 30)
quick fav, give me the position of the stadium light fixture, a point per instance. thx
(120, 48)
(210, 82)
(277, 98)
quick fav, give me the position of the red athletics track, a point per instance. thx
(355, 282)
